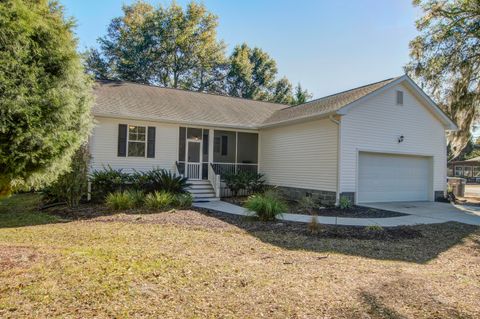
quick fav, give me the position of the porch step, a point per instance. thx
(201, 190)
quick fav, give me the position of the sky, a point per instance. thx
(327, 46)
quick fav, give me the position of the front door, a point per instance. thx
(194, 155)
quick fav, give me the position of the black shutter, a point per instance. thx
(122, 140)
(151, 142)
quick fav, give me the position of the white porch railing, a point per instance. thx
(189, 170)
(233, 168)
(193, 170)
(214, 179)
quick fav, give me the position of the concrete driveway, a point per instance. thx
(433, 212)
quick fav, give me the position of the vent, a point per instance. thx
(399, 98)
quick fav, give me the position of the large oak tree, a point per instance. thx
(446, 61)
(175, 47)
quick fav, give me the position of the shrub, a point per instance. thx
(136, 196)
(183, 200)
(272, 193)
(307, 203)
(140, 181)
(71, 186)
(266, 206)
(374, 229)
(159, 200)
(107, 181)
(254, 182)
(345, 203)
(163, 180)
(313, 226)
(235, 182)
(119, 201)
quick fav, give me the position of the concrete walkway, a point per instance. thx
(419, 213)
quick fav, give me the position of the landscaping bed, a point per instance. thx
(354, 211)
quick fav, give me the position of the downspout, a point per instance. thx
(337, 122)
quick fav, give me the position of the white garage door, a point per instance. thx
(393, 178)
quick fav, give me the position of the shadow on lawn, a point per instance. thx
(427, 244)
(23, 210)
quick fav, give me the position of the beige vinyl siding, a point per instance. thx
(301, 155)
(104, 139)
(376, 125)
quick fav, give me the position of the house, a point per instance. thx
(469, 169)
(380, 142)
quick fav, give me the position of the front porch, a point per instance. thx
(209, 154)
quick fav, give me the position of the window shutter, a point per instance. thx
(122, 140)
(151, 142)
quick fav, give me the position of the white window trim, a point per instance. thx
(461, 170)
(145, 142)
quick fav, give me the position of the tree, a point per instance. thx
(169, 46)
(251, 73)
(45, 97)
(96, 66)
(283, 92)
(173, 47)
(446, 61)
(301, 96)
(71, 186)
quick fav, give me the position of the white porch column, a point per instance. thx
(210, 148)
(236, 151)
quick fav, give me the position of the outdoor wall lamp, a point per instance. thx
(401, 138)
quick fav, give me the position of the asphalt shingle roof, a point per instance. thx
(126, 99)
(325, 104)
(131, 100)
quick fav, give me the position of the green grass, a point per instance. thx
(188, 265)
(22, 210)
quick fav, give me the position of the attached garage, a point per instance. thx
(392, 177)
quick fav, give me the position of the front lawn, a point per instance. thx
(188, 264)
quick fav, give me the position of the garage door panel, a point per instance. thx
(387, 177)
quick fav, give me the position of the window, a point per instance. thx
(476, 171)
(399, 98)
(136, 141)
(458, 171)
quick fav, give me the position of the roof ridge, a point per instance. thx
(343, 92)
(190, 91)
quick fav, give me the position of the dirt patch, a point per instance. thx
(320, 230)
(16, 256)
(173, 217)
(355, 211)
(84, 211)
